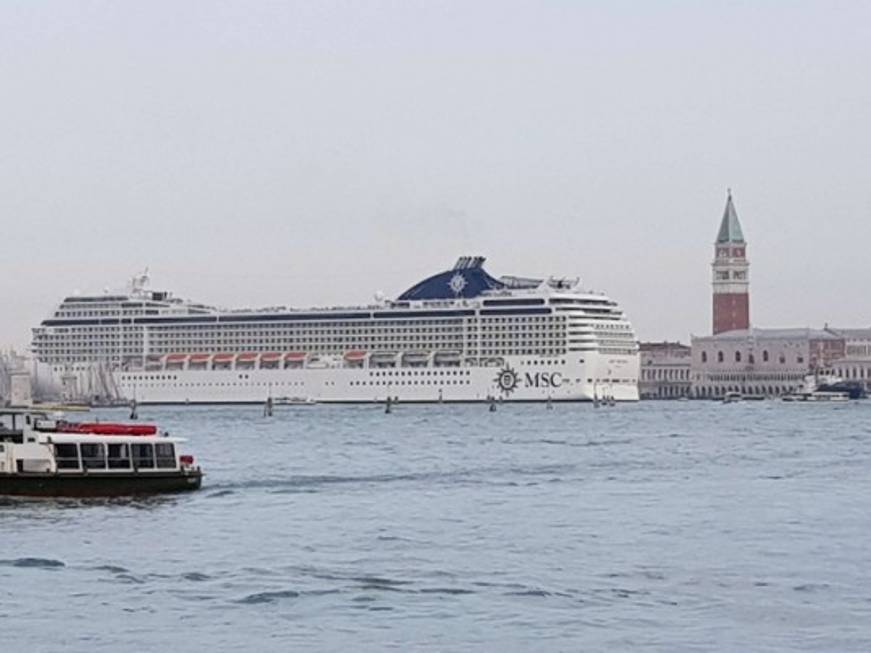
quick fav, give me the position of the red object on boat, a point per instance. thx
(186, 459)
(107, 428)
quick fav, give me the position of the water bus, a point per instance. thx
(42, 455)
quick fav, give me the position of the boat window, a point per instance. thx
(119, 456)
(143, 456)
(93, 456)
(67, 456)
(165, 453)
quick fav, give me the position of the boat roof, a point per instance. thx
(90, 438)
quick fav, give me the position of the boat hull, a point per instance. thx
(515, 379)
(97, 485)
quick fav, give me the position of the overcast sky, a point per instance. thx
(257, 153)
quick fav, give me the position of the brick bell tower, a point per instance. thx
(731, 279)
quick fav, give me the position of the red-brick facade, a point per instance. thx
(731, 312)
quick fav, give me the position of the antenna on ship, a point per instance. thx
(138, 282)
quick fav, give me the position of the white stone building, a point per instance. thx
(856, 363)
(767, 362)
(665, 370)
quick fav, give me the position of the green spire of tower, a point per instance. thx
(730, 228)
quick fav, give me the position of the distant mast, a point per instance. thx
(731, 274)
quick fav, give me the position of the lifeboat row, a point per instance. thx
(247, 356)
(351, 356)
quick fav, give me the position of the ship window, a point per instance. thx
(143, 456)
(165, 454)
(93, 456)
(67, 456)
(119, 456)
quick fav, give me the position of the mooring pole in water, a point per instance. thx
(492, 400)
(549, 403)
(267, 407)
(388, 405)
(134, 413)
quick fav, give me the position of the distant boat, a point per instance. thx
(818, 395)
(827, 388)
(294, 401)
(854, 389)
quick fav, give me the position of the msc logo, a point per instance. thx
(458, 283)
(508, 380)
(544, 380)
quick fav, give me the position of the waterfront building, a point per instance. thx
(731, 274)
(856, 363)
(768, 362)
(665, 370)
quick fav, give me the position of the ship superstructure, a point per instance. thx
(460, 335)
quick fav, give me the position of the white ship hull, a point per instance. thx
(519, 379)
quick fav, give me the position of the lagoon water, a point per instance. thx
(673, 526)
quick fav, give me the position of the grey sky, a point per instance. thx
(256, 153)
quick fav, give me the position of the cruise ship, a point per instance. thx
(461, 335)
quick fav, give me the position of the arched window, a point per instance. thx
(737, 356)
(719, 357)
(765, 356)
(751, 359)
(704, 357)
